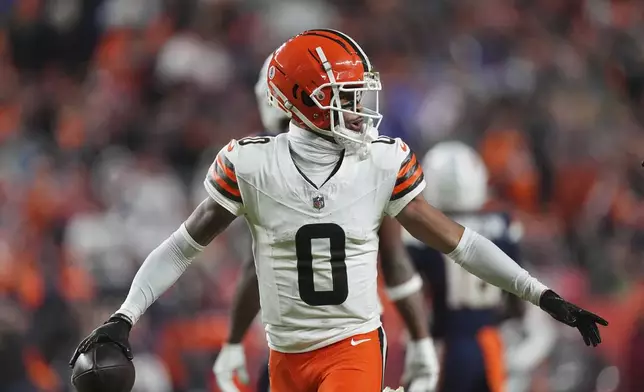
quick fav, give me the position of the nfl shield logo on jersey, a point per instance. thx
(318, 202)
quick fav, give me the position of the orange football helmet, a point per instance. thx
(319, 78)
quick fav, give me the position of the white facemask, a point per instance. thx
(363, 147)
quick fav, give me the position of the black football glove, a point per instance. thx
(574, 316)
(115, 330)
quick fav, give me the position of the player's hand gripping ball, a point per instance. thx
(104, 368)
(103, 361)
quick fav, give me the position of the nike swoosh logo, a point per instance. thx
(357, 342)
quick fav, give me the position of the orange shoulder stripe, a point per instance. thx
(222, 183)
(228, 171)
(405, 169)
(409, 182)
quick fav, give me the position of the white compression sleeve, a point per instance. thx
(480, 257)
(160, 270)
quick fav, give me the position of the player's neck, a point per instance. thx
(314, 156)
(310, 145)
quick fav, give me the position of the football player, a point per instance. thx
(314, 199)
(467, 309)
(403, 283)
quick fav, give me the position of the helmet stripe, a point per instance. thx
(354, 45)
(337, 41)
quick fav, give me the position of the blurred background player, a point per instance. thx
(422, 368)
(466, 310)
(274, 121)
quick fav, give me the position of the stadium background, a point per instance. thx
(111, 110)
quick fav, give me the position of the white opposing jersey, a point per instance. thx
(315, 247)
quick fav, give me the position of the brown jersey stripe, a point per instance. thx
(224, 174)
(409, 185)
(408, 158)
(222, 187)
(407, 169)
(227, 167)
(224, 180)
(409, 176)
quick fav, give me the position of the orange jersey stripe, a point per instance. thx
(403, 171)
(412, 179)
(222, 183)
(229, 173)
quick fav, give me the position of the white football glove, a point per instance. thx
(421, 366)
(231, 359)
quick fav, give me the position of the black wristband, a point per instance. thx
(121, 317)
(548, 294)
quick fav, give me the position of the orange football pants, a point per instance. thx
(354, 364)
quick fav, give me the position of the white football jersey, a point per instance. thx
(315, 248)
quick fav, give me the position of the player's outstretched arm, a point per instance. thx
(160, 270)
(482, 258)
(231, 358)
(404, 288)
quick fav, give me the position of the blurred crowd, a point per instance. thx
(112, 110)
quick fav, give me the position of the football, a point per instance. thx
(104, 368)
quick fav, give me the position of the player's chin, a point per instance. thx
(355, 125)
